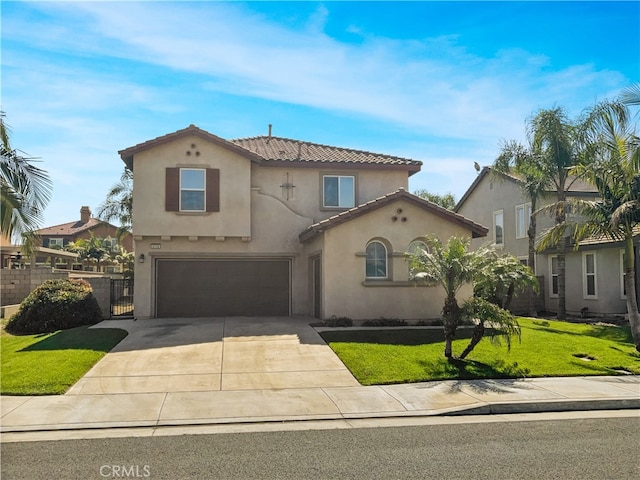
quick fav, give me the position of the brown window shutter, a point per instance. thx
(172, 190)
(213, 190)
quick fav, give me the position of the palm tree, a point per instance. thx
(631, 95)
(119, 203)
(553, 140)
(90, 250)
(25, 190)
(452, 266)
(528, 167)
(612, 164)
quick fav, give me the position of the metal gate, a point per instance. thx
(121, 297)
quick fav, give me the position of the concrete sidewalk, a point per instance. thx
(93, 411)
(224, 371)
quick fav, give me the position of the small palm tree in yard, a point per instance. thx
(452, 266)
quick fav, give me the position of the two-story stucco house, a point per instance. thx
(268, 226)
(594, 273)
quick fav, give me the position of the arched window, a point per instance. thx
(376, 264)
(416, 247)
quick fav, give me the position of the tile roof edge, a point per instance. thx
(307, 142)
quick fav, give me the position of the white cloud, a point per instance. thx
(432, 89)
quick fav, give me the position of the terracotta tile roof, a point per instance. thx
(278, 149)
(477, 230)
(269, 150)
(71, 228)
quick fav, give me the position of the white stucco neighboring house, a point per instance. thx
(267, 226)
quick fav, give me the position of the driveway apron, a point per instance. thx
(207, 354)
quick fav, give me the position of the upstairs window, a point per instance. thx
(376, 263)
(523, 217)
(56, 243)
(338, 191)
(192, 190)
(498, 227)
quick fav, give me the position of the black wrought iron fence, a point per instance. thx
(121, 297)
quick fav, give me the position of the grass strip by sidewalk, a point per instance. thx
(49, 364)
(548, 348)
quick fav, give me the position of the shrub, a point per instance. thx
(338, 322)
(56, 305)
(385, 322)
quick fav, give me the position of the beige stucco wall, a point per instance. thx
(344, 265)
(276, 229)
(150, 217)
(306, 198)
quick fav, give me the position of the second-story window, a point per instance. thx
(338, 191)
(192, 189)
(523, 217)
(498, 227)
(56, 243)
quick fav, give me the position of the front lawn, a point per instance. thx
(548, 348)
(48, 364)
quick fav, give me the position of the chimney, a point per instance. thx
(85, 214)
(270, 126)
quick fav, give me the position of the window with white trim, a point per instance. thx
(56, 243)
(376, 260)
(589, 279)
(553, 276)
(338, 191)
(111, 243)
(192, 189)
(498, 227)
(523, 217)
(623, 276)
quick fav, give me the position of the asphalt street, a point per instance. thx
(589, 448)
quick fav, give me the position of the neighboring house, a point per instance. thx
(13, 256)
(594, 273)
(60, 236)
(269, 226)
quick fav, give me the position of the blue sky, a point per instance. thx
(440, 82)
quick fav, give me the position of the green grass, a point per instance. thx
(48, 364)
(548, 348)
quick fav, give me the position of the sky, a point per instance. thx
(440, 82)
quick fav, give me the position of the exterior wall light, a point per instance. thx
(141, 258)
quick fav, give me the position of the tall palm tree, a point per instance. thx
(25, 190)
(527, 165)
(612, 163)
(553, 139)
(119, 203)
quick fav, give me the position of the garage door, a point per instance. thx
(217, 288)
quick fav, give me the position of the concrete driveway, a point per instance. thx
(205, 354)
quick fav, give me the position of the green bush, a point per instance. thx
(338, 322)
(56, 305)
(385, 322)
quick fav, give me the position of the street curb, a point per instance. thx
(544, 406)
(486, 409)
